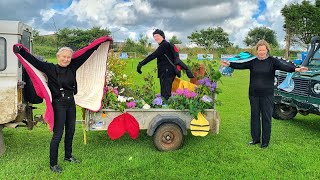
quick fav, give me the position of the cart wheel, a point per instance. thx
(168, 137)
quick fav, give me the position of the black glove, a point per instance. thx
(189, 74)
(16, 49)
(139, 68)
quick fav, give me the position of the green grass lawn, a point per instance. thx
(292, 154)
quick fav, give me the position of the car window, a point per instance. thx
(316, 59)
(3, 54)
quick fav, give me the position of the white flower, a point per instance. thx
(130, 98)
(122, 99)
(146, 106)
(124, 76)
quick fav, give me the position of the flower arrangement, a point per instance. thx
(195, 101)
(121, 94)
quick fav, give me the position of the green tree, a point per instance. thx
(175, 40)
(301, 21)
(143, 40)
(139, 47)
(77, 38)
(211, 38)
(258, 33)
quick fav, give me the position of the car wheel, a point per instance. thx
(284, 112)
(168, 137)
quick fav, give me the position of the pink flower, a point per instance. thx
(187, 95)
(105, 90)
(193, 94)
(116, 91)
(179, 92)
(131, 104)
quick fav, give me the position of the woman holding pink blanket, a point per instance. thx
(63, 86)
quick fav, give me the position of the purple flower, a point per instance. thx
(157, 101)
(131, 104)
(206, 98)
(201, 81)
(158, 95)
(213, 85)
(208, 84)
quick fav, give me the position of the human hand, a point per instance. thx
(16, 49)
(225, 63)
(139, 68)
(301, 69)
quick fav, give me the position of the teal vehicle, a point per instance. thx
(304, 95)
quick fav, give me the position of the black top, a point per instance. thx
(59, 77)
(163, 64)
(262, 73)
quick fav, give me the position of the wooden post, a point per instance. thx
(2, 145)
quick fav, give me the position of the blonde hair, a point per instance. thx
(263, 42)
(64, 49)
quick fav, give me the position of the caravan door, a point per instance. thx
(12, 103)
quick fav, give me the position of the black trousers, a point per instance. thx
(166, 81)
(261, 107)
(64, 115)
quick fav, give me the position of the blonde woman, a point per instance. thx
(262, 73)
(63, 86)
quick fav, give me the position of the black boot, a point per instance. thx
(56, 169)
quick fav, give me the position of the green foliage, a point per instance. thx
(78, 38)
(211, 38)
(175, 40)
(45, 51)
(259, 33)
(140, 47)
(146, 90)
(301, 21)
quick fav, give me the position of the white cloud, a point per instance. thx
(135, 17)
(207, 13)
(47, 14)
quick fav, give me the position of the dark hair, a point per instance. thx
(160, 32)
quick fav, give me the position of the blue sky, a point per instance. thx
(261, 8)
(57, 5)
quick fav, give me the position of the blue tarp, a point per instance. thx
(240, 58)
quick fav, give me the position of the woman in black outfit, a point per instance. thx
(262, 73)
(62, 84)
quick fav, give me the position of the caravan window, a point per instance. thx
(3, 54)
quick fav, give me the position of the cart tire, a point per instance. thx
(2, 145)
(168, 137)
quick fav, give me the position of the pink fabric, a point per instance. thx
(122, 123)
(40, 86)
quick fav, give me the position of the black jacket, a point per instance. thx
(262, 73)
(54, 72)
(163, 64)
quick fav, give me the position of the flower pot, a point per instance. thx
(198, 73)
